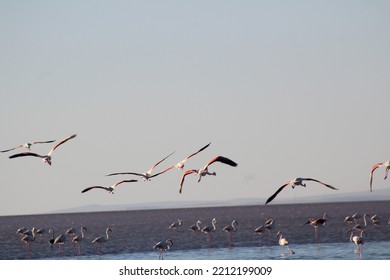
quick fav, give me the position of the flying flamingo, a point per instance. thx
(317, 223)
(28, 145)
(101, 239)
(204, 171)
(209, 229)
(195, 227)
(230, 229)
(386, 165)
(77, 239)
(109, 189)
(180, 165)
(147, 175)
(163, 246)
(45, 158)
(296, 182)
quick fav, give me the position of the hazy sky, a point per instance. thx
(284, 88)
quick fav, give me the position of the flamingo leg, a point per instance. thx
(387, 172)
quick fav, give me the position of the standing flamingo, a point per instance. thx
(101, 239)
(52, 239)
(77, 239)
(28, 238)
(204, 171)
(108, 189)
(177, 224)
(385, 164)
(45, 158)
(282, 240)
(269, 224)
(229, 229)
(147, 175)
(209, 229)
(196, 227)
(358, 240)
(60, 240)
(163, 246)
(27, 145)
(317, 223)
(296, 182)
(180, 165)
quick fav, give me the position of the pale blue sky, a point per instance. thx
(285, 88)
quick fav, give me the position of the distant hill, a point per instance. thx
(376, 195)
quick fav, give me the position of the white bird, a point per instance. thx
(28, 145)
(101, 239)
(358, 240)
(180, 165)
(45, 158)
(385, 164)
(163, 246)
(204, 171)
(195, 227)
(209, 229)
(147, 175)
(282, 240)
(177, 224)
(296, 182)
(109, 189)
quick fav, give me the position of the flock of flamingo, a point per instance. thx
(29, 235)
(356, 224)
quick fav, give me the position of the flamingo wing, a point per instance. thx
(25, 154)
(4, 151)
(95, 187)
(276, 193)
(222, 159)
(327, 185)
(201, 149)
(157, 163)
(126, 173)
(43, 142)
(123, 181)
(373, 168)
(61, 142)
(184, 175)
(165, 170)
